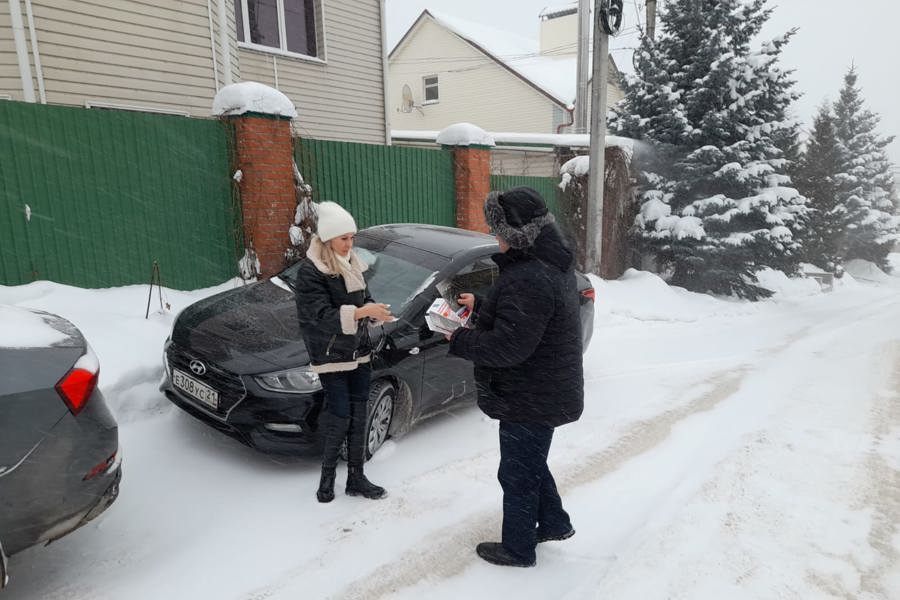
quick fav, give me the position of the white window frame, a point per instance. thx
(425, 87)
(282, 34)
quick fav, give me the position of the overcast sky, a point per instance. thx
(832, 35)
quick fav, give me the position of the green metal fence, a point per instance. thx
(381, 184)
(93, 197)
(547, 186)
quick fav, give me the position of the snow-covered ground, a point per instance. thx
(727, 450)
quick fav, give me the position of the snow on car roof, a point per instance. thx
(23, 328)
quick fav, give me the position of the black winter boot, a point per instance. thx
(357, 483)
(325, 493)
(334, 430)
(496, 554)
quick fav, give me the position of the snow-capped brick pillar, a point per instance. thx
(471, 147)
(263, 153)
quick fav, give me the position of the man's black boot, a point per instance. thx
(496, 554)
(550, 536)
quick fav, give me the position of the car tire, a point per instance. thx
(382, 397)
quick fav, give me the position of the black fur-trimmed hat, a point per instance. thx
(517, 215)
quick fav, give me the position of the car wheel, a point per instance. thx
(381, 403)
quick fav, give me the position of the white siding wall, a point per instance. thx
(10, 83)
(473, 88)
(157, 55)
(136, 52)
(343, 98)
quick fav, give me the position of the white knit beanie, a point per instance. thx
(334, 221)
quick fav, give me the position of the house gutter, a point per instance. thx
(223, 42)
(212, 43)
(571, 122)
(38, 71)
(15, 16)
(384, 77)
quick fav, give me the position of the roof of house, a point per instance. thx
(555, 76)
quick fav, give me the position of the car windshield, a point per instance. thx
(395, 275)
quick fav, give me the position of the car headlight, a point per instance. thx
(292, 381)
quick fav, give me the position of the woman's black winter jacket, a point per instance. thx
(319, 298)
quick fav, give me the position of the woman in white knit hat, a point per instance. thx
(334, 307)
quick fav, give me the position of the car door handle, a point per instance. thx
(415, 350)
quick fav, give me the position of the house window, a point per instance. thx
(431, 89)
(285, 25)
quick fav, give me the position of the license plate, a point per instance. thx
(195, 389)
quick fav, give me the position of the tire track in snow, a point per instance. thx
(883, 495)
(441, 557)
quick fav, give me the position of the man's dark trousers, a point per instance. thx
(529, 491)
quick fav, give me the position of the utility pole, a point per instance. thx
(597, 165)
(651, 19)
(607, 21)
(581, 94)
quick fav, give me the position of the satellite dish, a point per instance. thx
(408, 103)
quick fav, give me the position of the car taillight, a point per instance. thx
(78, 384)
(589, 293)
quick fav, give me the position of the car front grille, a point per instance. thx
(229, 386)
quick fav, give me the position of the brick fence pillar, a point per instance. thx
(471, 149)
(264, 153)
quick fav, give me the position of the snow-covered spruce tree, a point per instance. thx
(872, 224)
(717, 205)
(820, 177)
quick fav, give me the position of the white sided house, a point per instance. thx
(447, 70)
(173, 56)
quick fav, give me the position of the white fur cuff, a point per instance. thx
(348, 323)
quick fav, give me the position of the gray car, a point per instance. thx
(59, 459)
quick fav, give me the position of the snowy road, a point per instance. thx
(728, 450)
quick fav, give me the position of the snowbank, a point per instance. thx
(863, 270)
(646, 297)
(464, 134)
(20, 328)
(787, 287)
(250, 96)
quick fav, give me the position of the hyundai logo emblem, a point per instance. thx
(198, 367)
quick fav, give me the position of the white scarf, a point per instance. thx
(350, 267)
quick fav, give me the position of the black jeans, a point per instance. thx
(343, 387)
(530, 497)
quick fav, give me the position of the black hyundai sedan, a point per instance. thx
(237, 361)
(59, 443)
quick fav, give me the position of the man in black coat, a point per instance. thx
(526, 347)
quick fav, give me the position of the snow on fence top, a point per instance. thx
(464, 134)
(250, 96)
(576, 140)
